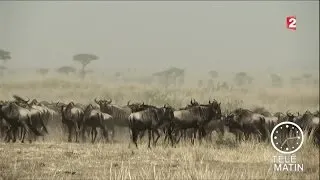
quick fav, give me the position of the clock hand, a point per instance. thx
(288, 139)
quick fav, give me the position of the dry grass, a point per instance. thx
(221, 159)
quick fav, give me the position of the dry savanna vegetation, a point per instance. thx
(54, 158)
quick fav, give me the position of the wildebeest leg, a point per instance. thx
(83, 133)
(95, 134)
(23, 131)
(69, 132)
(141, 134)
(238, 136)
(247, 136)
(7, 137)
(20, 131)
(158, 136)
(10, 135)
(181, 133)
(135, 137)
(184, 134)
(111, 131)
(105, 134)
(194, 135)
(76, 134)
(91, 134)
(149, 138)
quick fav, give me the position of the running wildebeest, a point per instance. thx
(309, 123)
(95, 118)
(196, 117)
(243, 121)
(119, 114)
(17, 116)
(72, 116)
(149, 119)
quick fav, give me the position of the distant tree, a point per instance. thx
(213, 74)
(276, 80)
(43, 71)
(307, 78)
(2, 69)
(295, 80)
(66, 70)
(172, 75)
(84, 59)
(117, 74)
(242, 78)
(4, 55)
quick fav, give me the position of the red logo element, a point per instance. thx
(291, 22)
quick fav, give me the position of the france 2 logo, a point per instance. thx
(291, 22)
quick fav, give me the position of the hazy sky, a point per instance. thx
(156, 35)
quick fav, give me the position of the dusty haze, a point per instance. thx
(151, 36)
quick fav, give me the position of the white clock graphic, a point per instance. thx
(287, 137)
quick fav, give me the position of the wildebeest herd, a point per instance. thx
(20, 117)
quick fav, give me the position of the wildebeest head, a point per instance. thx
(88, 108)
(230, 121)
(135, 107)
(290, 116)
(216, 108)
(103, 102)
(34, 102)
(194, 102)
(168, 111)
(19, 99)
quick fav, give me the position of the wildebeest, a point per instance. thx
(72, 116)
(247, 122)
(119, 114)
(196, 116)
(149, 119)
(309, 123)
(95, 118)
(17, 116)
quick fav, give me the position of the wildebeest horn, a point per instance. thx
(27, 100)
(191, 101)
(110, 101)
(95, 100)
(128, 103)
(288, 113)
(209, 102)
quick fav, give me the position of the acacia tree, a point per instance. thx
(213, 74)
(307, 78)
(4, 55)
(2, 69)
(66, 70)
(276, 80)
(242, 78)
(84, 59)
(43, 71)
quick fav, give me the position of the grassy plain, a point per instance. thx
(220, 159)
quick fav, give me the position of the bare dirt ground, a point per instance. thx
(54, 158)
